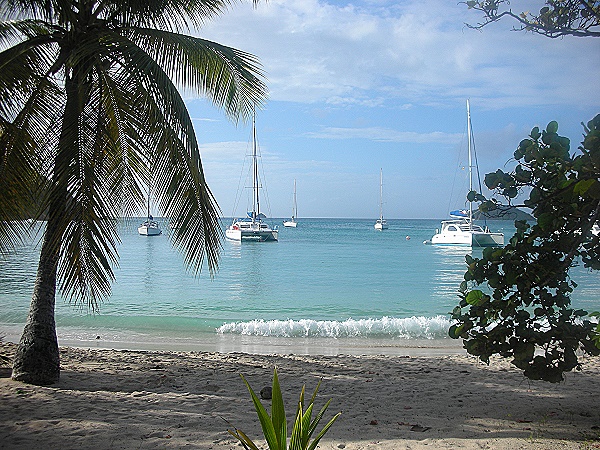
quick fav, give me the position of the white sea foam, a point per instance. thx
(405, 328)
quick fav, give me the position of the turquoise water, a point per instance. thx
(327, 279)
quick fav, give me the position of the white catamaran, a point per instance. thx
(461, 230)
(292, 223)
(252, 227)
(381, 223)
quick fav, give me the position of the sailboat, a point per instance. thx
(381, 223)
(150, 226)
(252, 227)
(461, 230)
(291, 223)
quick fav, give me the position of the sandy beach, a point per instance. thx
(109, 399)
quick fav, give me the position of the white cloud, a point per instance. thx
(379, 134)
(315, 51)
(203, 119)
(381, 83)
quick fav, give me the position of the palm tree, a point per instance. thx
(89, 116)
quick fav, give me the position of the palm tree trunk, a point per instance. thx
(37, 358)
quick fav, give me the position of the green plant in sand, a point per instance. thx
(274, 426)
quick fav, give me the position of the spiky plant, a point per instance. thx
(274, 426)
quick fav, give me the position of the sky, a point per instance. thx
(362, 86)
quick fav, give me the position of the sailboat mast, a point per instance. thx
(256, 202)
(470, 161)
(381, 194)
(148, 215)
(295, 212)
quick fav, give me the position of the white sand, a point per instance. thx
(109, 399)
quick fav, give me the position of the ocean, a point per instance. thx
(328, 286)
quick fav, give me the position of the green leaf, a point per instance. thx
(524, 352)
(297, 439)
(523, 176)
(326, 428)
(510, 277)
(552, 127)
(477, 298)
(308, 426)
(265, 420)
(278, 412)
(245, 440)
(582, 186)
(546, 220)
(491, 180)
(455, 331)
(511, 192)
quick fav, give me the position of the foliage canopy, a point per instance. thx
(525, 310)
(555, 19)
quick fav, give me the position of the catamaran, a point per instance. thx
(461, 230)
(252, 227)
(292, 223)
(381, 223)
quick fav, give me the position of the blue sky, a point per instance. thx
(359, 86)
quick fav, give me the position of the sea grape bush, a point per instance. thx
(556, 18)
(516, 300)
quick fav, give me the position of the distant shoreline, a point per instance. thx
(232, 343)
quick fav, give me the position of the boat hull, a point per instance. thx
(149, 229)
(256, 235)
(381, 225)
(471, 239)
(290, 224)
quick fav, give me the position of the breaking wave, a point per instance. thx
(385, 327)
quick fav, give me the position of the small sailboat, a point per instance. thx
(381, 223)
(292, 223)
(252, 227)
(150, 226)
(461, 230)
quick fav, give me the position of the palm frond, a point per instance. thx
(18, 182)
(87, 122)
(168, 15)
(89, 248)
(230, 78)
(29, 104)
(171, 150)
